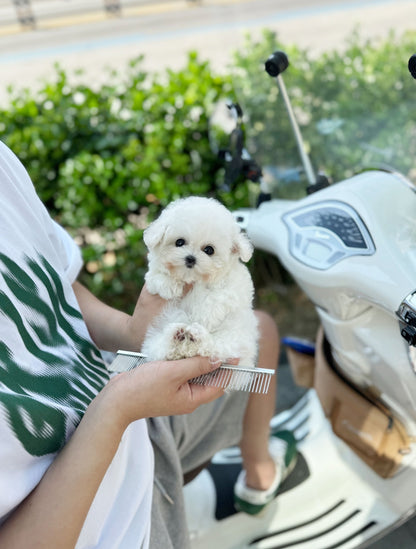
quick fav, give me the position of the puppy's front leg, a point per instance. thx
(163, 285)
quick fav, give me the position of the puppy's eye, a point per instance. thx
(209, 250)
(180, 242)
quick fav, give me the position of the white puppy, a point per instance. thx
(196, 242)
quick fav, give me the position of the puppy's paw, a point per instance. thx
(163, 286)
(183, 334)
(193, 333)
(187, 340)
(198, 332)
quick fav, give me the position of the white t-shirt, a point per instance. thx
(50, 370)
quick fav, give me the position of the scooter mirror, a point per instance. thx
(276, 63)
(412, 65)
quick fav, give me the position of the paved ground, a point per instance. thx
(165, 31)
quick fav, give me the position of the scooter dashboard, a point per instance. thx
(324, 233)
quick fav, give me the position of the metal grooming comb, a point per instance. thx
(227, 376)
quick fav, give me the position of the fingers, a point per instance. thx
(188, 368)
(176, 393)
(195, 394)
(202, 394)
(161, 389)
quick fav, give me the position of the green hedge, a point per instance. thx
(105, 160)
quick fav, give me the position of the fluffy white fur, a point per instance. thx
(197, 241)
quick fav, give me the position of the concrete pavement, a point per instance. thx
(215, 28)
(50, 14)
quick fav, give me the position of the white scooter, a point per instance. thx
(351, 247)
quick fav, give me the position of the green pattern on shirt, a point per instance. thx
(43, 407)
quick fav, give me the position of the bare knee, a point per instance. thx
(269, 339)
(267, 325)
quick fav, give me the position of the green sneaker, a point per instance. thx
(282, 447)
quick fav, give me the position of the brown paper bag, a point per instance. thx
(362, 421)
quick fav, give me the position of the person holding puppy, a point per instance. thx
(87, 460)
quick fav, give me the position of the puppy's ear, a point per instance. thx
(243, 247)
(154, 233)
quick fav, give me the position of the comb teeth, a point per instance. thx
(127, 360)
(237, 378)
(227, 376)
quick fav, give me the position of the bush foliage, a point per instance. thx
(105, 160)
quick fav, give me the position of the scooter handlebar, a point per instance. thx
(276, 63)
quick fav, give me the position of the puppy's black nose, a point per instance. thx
(190, 261)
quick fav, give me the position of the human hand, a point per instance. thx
(158, 389)
(148, 307)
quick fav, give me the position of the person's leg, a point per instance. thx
(254, 445)
(181, 444)
(267, 460)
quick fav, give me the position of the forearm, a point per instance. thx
(56, 509)
(53, 514)
(111, 329)
(108, 327)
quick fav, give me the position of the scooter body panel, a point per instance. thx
(355, 272)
